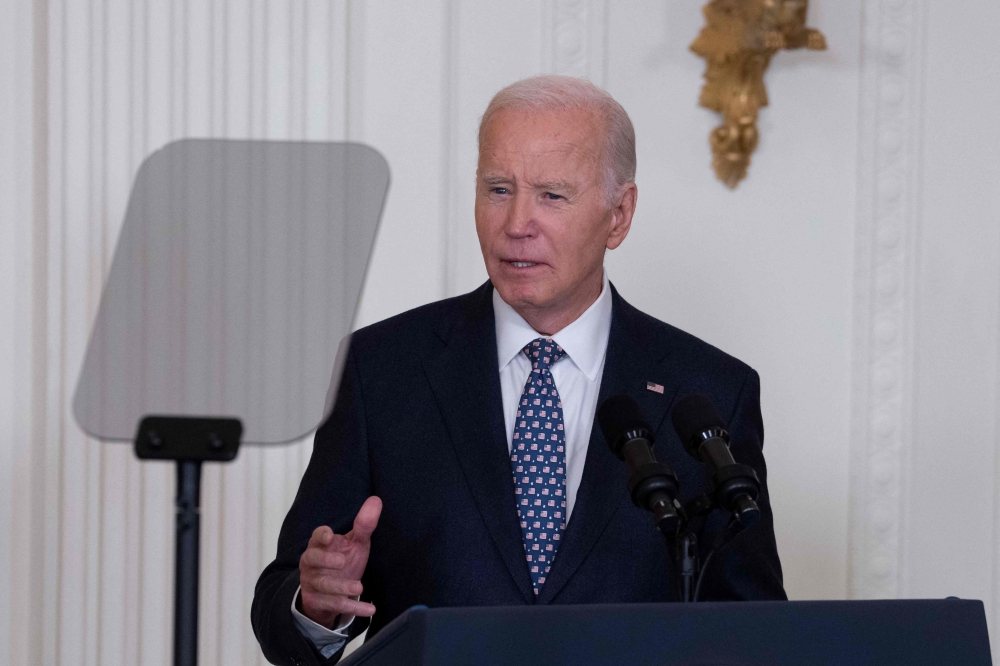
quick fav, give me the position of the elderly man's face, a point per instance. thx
(541, 211)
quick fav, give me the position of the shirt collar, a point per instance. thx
(585, 340)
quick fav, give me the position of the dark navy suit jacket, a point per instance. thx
(418, 421)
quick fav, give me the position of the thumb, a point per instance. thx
(367, 519)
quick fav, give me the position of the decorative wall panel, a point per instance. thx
(575, 38)
(887, 223)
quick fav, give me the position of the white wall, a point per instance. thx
(950, 542)
(857, 268)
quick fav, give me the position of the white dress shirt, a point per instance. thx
(578, 379)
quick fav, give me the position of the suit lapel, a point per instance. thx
(631, 360)
(466, 383)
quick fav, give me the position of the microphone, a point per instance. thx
(652, 484)
(704, 436)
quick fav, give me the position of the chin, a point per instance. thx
(520, 294)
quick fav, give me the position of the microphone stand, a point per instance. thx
(684, 559)
(688, 548)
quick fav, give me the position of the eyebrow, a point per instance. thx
(559, 185)
(554, 185)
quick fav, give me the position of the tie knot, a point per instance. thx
(543, 353)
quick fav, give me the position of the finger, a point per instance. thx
(321, 537)
(316, 558)
(336, 603)
(367, 519)
(337, 586)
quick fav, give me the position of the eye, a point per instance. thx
(552, 196)
(499, 190)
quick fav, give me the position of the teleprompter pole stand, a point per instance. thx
(190, 441)
(188, 538)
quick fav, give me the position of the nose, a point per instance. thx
(521, 221)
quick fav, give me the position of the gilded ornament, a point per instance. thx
(737, 43)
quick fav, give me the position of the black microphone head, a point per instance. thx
(621, 420)
(693, 416)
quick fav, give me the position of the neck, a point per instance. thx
(551, 320)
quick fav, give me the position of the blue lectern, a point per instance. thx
(840, 633)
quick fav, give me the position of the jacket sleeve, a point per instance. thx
(748, 568)
(333, 488)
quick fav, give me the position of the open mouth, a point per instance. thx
(521, 263)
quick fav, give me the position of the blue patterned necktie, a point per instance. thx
(538, 460)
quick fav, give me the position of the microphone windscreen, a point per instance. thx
(618, 415)
(693, 415)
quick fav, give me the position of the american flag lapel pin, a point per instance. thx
(654, 387)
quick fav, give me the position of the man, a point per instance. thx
(460, 465)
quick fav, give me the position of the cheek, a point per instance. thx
(488, 222)
(579, 246)
(481, 212)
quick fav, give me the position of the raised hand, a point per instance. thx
(331, 568)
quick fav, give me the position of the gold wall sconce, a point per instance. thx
(737, 43)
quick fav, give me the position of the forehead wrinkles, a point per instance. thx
(542, 156)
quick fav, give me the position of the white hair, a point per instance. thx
(551, 92)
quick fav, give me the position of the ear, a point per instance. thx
(621, 215)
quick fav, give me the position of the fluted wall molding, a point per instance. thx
(18, 61)
(888, 222)
(89, 550)
(451, 202)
